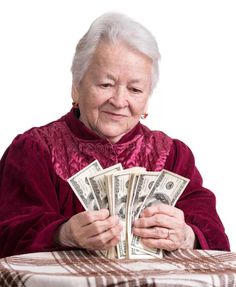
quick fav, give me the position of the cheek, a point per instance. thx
(138, 107)
(91, 101)
(96, 98)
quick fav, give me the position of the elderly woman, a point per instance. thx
(115, 70)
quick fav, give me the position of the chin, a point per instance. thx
(113, 136)
(109, 131)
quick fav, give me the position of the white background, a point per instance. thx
(194, 100)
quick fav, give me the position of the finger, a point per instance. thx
(162, 209)
(113, 242)
(165, 244)
(160, 220)
(155, 232)
(106, 239)
(88, 217)
(99, 226)
(109, 244)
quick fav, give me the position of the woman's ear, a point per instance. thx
(146, 106)
(74, 94)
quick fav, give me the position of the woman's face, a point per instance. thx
(114, 91)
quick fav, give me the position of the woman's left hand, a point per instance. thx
(163, 226)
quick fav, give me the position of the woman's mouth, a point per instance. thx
(114, 116)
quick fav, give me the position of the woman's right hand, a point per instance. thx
(94, 230)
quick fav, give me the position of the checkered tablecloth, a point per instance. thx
(83, 268)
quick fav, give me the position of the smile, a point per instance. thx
(115, 115)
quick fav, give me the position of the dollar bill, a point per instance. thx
(143, 186)
(143, 183)
(98, 186)
(133, 183)
(126, 193)
(105, 200)
(167, 189)
(121, 185)
(109, 188)
(80, 185)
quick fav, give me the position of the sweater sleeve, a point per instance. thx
(29, 208)
(197, 202)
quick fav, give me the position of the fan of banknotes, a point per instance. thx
(126, 192)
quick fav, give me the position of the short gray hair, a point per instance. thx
(111, 27)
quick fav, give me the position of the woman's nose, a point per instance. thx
(120, 98)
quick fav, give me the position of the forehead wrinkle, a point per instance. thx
(110, 76)
(103, 63)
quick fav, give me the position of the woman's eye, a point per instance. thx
(105, 85)
(135, 90)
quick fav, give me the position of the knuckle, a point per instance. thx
(171, 246)
(157, 232)
(136, 231)
(143, 222)
(163, 233)
(177, 244)
(157, 220)
(112, 232)
(181, 238)
(181, 227)
(182, 224)
(102, 241)
(88, 217)
(109, 222)
(180, 214)
(115, 231)
(97, 228)
(148, 210)
(112, 220)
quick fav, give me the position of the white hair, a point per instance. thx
(111, 27)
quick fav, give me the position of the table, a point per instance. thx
(85, 268)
